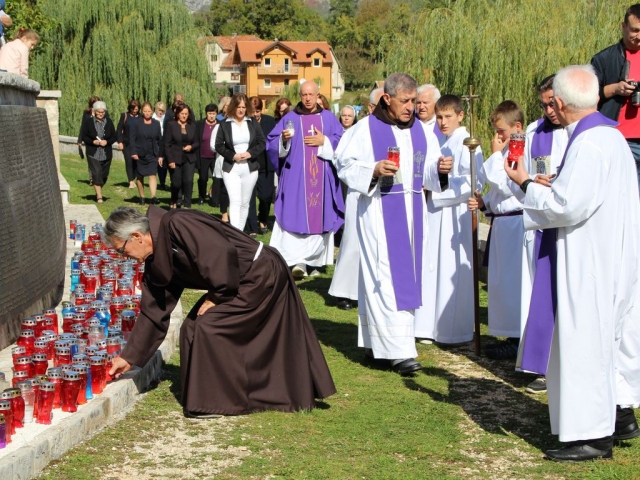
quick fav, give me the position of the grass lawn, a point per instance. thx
(462, 417)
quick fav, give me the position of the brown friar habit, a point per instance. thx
(256, 349)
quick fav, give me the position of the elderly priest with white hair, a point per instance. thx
(391, 218)
(586, 336)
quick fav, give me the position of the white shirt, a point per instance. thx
(240, 134)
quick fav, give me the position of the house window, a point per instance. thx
(316, 62)
(267, 62)
(214, 58)
(267, 83)
(235, 76)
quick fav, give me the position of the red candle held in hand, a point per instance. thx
(516, 147)
(393, 155)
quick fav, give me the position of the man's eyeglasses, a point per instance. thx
(544, 106)
(121, 249)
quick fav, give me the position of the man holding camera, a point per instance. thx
(618, 70)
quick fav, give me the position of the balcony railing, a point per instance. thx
(239, 89)
(272, 90)
(279, 70)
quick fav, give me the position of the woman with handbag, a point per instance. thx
(180, 145)
(239, 141)
(145, 144)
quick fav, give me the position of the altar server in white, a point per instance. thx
(391, 219)
(585, 333)
(505, 250)
(447, 311)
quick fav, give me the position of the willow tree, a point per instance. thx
(503, 47)
(118, 50)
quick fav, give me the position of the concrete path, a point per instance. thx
(35, 445)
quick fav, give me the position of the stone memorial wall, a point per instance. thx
(32, 229)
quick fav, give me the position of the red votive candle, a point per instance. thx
(46, 395)
(70, 390)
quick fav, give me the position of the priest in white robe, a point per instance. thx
(585, 333)
(391, 219)
(428, 95)
(447, 311)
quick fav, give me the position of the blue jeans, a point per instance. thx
(634, 145)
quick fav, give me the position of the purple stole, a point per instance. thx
(405, 261)
(313, 174)
(439, 135)
(542, 141)
(541, 321)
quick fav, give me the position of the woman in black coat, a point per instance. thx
(239, 141)
(99, 134)
(180, 145)
(146, 151)
(133, 111)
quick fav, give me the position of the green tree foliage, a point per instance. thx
(268, 19)
(503, 47)
(28, 14)
(118, 50)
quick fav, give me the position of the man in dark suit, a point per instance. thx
(265, 184)
(207, 129)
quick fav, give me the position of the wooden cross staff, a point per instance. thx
(472, 143)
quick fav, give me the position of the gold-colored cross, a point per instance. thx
(471, 99)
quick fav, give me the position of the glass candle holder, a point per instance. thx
(18, 351)
(53, 316)
(83, 371)
(29, 398)
(88, 390)
(19, 376)
(80, 296)
(28, 324)
(63, 356)
(45, 403)
(70, 390)
(54, 375)
(102, 346)
(128, 318)
(97, 374)
(85, 310)
(103, 314)
(40, 324)
(40, 364)
(96, 333)
(393, 155)
(5, 409)
(91, 280)
(17, 406)
(27, 339)
(516, 147)
(41, 345)
(113, 345)
(25, 362)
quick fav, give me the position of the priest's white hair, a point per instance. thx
(375, 94)
(122, 222)
(427, 87)
(399, 82)
(577, 86)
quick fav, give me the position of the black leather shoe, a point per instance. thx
(344, 304)
(580, 452)
(626, 424)
(406, 367)
(263, 230)
(155, 201)
(141, 201)
(201, 201)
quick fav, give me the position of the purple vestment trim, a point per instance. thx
(405, 261)
(313, 174)
(542, 142)
(542, 311)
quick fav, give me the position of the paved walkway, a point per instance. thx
(35, 445)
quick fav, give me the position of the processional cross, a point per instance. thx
(472, 143)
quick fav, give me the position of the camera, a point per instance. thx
(635, 96)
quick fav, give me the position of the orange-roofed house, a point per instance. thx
(266, 68)
(219, 52)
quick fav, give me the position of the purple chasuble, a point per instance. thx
(536, 344)
(439, 135)
(405, 260)
(309, 199)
